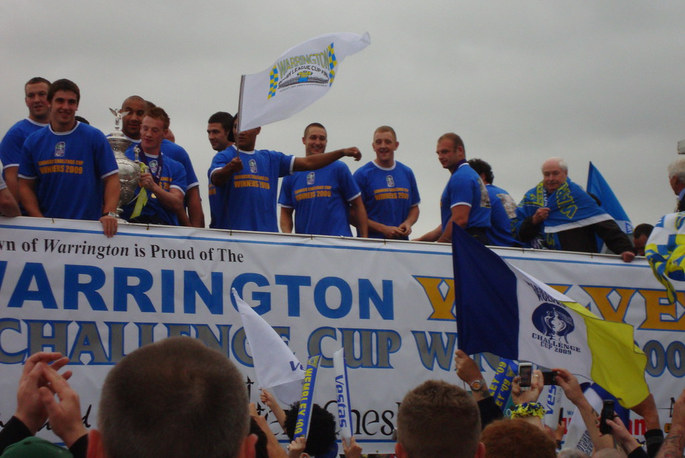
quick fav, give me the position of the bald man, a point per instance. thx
(558, 214)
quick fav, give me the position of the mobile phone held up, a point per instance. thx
(526, 374)
(607, 413)
(548, 377)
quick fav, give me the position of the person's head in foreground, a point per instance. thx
(173, 398)
(517, 439)
(438, 419)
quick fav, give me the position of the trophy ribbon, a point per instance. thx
(141, 200)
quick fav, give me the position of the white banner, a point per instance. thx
(299, 77)
(65, 287)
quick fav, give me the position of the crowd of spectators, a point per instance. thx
(179, 398)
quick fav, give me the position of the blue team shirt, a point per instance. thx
(388, 194)
(320, 199)
(68, 168)
(173, 175)
(251, 193)
(466, 188)
(13, 141)
(501, 227)
(218, 195)
(178, 154)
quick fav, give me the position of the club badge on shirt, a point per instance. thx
(60, 149)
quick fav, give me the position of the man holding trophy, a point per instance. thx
(162, 183)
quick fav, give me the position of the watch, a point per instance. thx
(112, 214)
(478, 386)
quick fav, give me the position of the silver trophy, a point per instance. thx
(129, 171)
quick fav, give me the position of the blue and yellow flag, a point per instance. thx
(504, 311)
(665, 251)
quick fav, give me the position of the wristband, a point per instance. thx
(528, 409)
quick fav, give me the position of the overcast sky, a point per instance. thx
(597, 81)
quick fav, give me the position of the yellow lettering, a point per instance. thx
(600, 296)
(442, 306)
(561, 288)
(657, 308)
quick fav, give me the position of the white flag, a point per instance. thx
(342, 389)
(275, 365)
(298, 78)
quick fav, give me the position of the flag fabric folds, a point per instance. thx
(299, 77)
(665, 251)
(304, 411)
(502, 310)
(275, 365)
(598, 186)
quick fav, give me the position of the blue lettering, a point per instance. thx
(72, 286)
(168, 287)
(192, 284)
(368, 294)
(122, 289)
(3, 268)
(22, 292)
(264, 298)
(293, 284)
(345, 297)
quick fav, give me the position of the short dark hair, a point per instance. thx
(226, 120)
(135, 97)
(321, 434)
(456, 140)
(64, 85)
(174, 398)
(438, 419)
(313, 124)
(642, 229)
(159, 113)
(482, 168)
(386, 129)
(36, 80)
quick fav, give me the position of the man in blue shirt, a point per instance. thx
(68, 169)
(321, 199)
(220, 136)
(164, 179)
(502, 210)
(465, 199)
(389, 190)
(136, 107)
(36, 99)
(251, 179)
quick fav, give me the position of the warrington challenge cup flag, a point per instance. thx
(298, 78)
(275, 365)
(502, 310)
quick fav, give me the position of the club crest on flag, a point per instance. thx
(298, 77)
(313, 68)
(553, 321)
